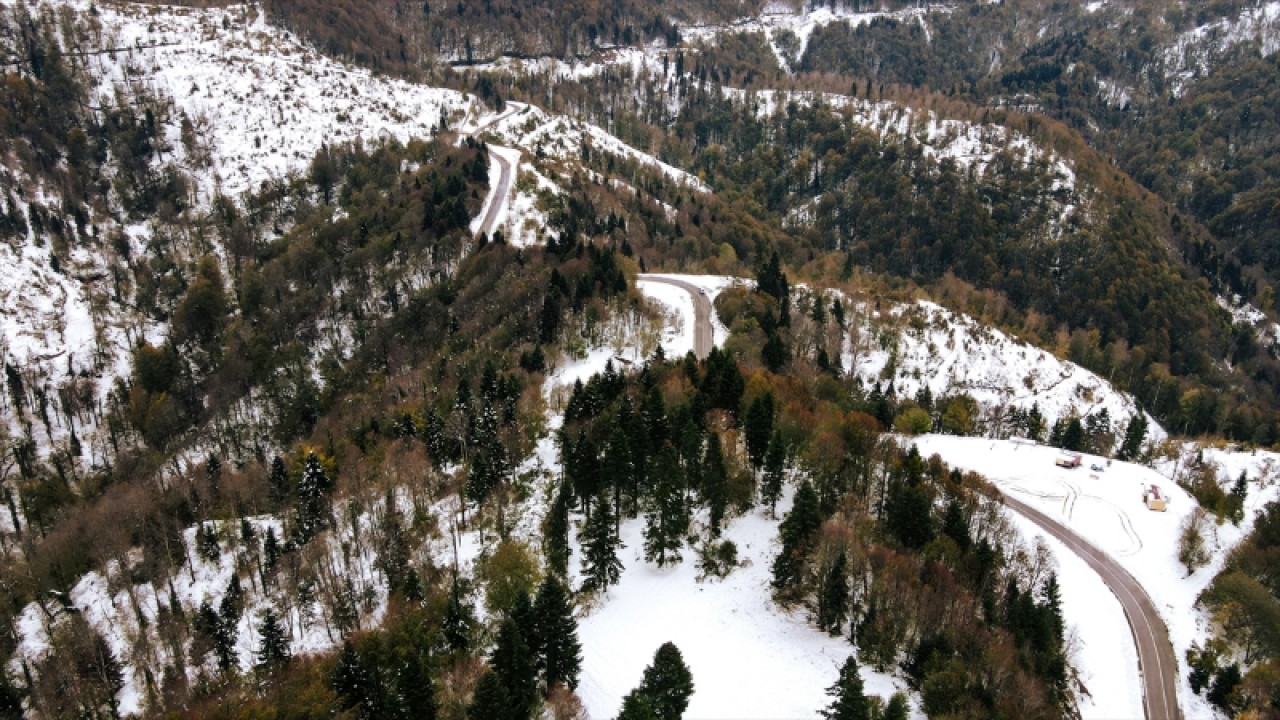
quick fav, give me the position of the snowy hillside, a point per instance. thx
(1193, 54)
(262, 101)
(922, 344)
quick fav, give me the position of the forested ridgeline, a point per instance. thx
(1169, 90)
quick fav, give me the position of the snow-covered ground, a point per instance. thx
(557, 136)
(1106, 508)
(1267, 331)
(749, 658)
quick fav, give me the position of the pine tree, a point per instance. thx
(270, 554)
(897, 708)
(273, 651)
(490, 700)
(1241, 487)
(1035, 423)
(668, 518)
(600, 544)
(213, 472)
(775, 459)
(833, 600)
(313, 513)
(715, 483)
(796, 531)
(848, 701)
(618, 467)
(955, 526)
(459, 619)
(224, 643)
(351, 678)
(558, 631)
(417, 691)
(637, 706)
(1134, 434)
(758, 428)
(207, 543)
(664, 689)
(555, 532)
(513, 664)
(278, 481)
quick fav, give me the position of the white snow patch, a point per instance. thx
(741, 648)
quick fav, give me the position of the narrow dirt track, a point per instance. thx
(1156, 660)
(703, 337)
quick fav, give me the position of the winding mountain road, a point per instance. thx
(500, 188)
(1156, 660)
(703, 336)
(501, 192)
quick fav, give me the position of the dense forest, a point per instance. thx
(329, 379)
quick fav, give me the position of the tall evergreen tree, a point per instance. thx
(668, 517)
(758, 428)
(715, 483)
(417, 690)
(513, 663)
(273, 649)
(775, 459)
(351, 679)
(459, 619)
(955, 526)
(491, 701)
(848, 700)
(561, 660)
(313, 511)
(600, 543)
(271, 552)
(665, 687)
(1134, 435)
(833, 598)
(796, 531)
(555, 532)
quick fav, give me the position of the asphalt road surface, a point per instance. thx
(703, 339)
(501, 196)
(1156, 661)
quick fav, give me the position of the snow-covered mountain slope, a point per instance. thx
(564, 138)
(1193, 54)
(922, 344)
(1106, 508)
(262, 101)
(789, 29)
(910, 346)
